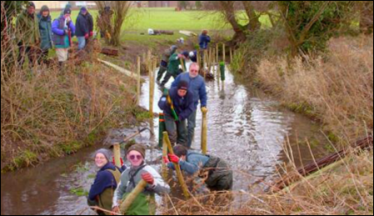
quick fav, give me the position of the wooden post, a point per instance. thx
(151, 84)
(198, 58)
(132, 196)
(139, 82)
(117, 154)
(224, 52)
(164, 166)
(177, 168)
(204, 132)
(183, 65)
(217, 53)
(231, 55)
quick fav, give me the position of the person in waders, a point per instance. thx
(145, 203)
(175, 67)
(218, 174)
(106, 182)
(164, 62)
(177, 105)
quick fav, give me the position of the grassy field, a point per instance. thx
(140, 20)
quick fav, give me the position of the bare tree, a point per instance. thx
(253, 9)
(119, 11)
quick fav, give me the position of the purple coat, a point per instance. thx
(59, 31)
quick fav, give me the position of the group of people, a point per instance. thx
(37, 34)
(179, 104)
(113, 184)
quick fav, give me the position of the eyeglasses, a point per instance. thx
(194, 71)
(137, 157)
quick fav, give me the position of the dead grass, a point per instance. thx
(47, 112)
(337, 89)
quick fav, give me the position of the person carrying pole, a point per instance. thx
(216, 172)
(178, 105)
(106, 181)
(175, 67)
(144, 203)
(164, 62)
(196, 85)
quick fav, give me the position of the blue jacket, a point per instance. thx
(193, 164)
(197, 86)
(184, 107)
(103, 181)
(58, 30)
(82, 25)
(45, 28)
(204, 41)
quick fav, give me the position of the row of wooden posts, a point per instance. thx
(211, 58)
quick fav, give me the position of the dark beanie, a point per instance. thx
(67, 11)
(31, 4)
(180, 150)
(44, 8)
(83, 9)
(183, 85)
(137, 147)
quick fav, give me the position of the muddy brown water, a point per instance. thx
(245, 127)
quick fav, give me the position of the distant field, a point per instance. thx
(140, 20)
(168, 19)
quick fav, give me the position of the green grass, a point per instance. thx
(168, 19)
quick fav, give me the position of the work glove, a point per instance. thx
(166, 160)
(174, 159)
(147, 177)
(91, 34)
(86, 36)
(204, 110)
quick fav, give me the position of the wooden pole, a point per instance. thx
(217, 53)
(183, 65)
(224, 52)
(151, 84)
(204, 132)
(198, 58)
(117, 154)
(164, 166)
(177, 168)
(231, 55)
(132, 196)
(139, 81)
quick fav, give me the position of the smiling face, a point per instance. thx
(100, 160)
(135, 158)
(194, 70)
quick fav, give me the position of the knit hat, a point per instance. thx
(183, 85)
(173, 48)
(67, 11)
(180, 150)
(186, 54)
(44, 8)
(137, 147)
(105, 152)
(83, 9)
(31, 4)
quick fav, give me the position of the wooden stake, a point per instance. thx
(231, 55)
(177, 168)
(224, 52)
(164, 166)
(139, 81)
(217, 53)
(204, 132)
(132, 196)
(117, 154)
